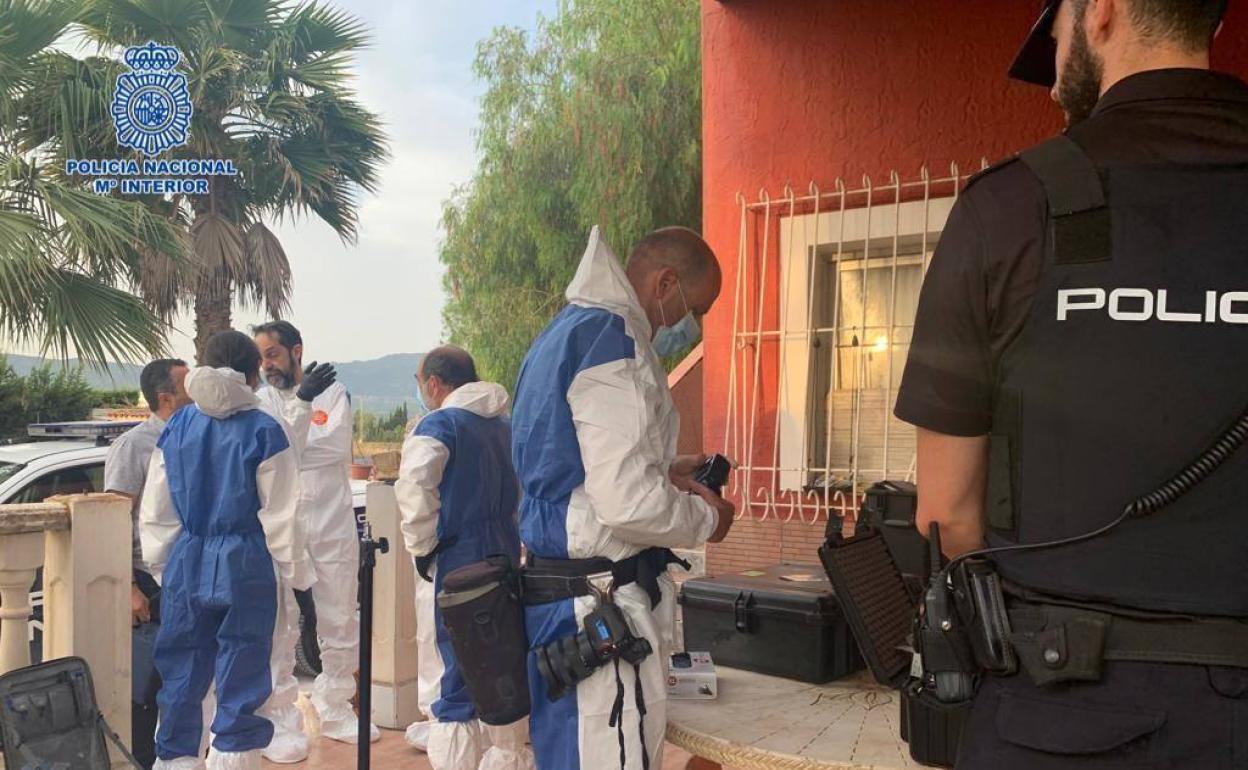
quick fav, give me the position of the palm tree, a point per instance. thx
(271, 86)
(64, 252)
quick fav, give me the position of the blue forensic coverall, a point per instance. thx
(218, 525)
(456, 487)
(594, 434)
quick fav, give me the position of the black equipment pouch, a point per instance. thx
(981, 606)
(1062, 650)
(931, 727)
(484, 617)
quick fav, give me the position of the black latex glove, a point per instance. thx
(316, 379)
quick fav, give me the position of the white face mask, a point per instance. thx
(669, 340)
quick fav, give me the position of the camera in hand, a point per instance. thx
(714, 473)
(606, 636)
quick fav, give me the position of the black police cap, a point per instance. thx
(1036, 61)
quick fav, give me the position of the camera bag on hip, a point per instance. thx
(484, 617)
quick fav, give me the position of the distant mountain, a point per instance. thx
(382, 384)
(379, 385)
(116, 377)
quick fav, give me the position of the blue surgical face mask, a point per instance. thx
(669, 340)
(420, 400)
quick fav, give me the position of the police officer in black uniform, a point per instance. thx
(1082, 336)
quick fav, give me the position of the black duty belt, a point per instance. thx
(553, 580)
(1057, 642)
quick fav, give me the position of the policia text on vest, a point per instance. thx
(1148, 304)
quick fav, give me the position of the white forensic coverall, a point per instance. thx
(333, 545)
(456, 743)
(592, 403)
(219, 394)
(290, 743)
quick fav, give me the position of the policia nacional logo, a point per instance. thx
(152, 107)
(151, 111)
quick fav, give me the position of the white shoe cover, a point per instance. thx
(417, 735)
(455, 745)
(508, 747)
(181, 763)
(287, 748)
(345, 729)
(233, 760)
(498, 758)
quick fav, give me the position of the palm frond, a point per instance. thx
(268, 282)
(317, 28)
(65, 312)
(67, 106)
(218, 245)
(106, 232)
(134, 22)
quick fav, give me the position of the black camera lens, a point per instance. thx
(565, 662)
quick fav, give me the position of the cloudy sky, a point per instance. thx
(384, 294)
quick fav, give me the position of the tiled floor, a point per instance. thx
(391, 753)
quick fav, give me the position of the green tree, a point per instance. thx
(388, 428)
(271, 85)
(44, 395)
(112, 399)
(65, 252)
(595, 119)
(53, 396)
(12, 410)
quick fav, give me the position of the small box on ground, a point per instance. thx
(691, 676)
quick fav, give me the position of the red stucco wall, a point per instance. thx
(796, 91)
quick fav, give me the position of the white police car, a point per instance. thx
(67, 458)
(71, 462)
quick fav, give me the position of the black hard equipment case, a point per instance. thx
(782, 620)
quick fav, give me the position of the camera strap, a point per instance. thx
(617, 714)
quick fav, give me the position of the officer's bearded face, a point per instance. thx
(277, 361)
(1079, 77)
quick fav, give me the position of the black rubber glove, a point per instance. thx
(316, 379)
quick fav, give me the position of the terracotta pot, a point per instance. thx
(361, 471)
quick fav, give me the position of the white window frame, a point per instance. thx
(848, 231)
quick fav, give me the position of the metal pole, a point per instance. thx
(368, 561)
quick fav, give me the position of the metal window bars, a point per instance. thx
(816, 347)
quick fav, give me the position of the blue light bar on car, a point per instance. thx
(91, 429)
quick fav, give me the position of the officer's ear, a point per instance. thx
(296, 354)
(1103, 18)
(437, 386)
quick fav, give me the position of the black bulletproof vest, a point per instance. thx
(1133, 361)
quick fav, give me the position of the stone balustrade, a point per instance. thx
(394, 617)
(82, 542)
